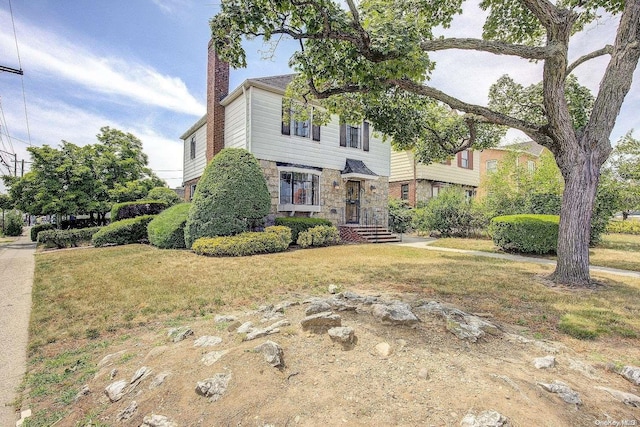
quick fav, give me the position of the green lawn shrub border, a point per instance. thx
(628, 226)
(320, 235)
(300, 224)
(61, 239)
(126, 210)
(131, 230)
(528, 233)
(166, 230)
(271, 240)
(38, 228)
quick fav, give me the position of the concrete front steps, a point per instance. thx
(367, 234)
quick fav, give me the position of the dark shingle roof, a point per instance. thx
(357, 167)
(278, 82)
(530, 147)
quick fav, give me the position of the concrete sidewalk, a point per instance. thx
(16, 279)
(423, 243)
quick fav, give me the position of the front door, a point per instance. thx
(353, 202)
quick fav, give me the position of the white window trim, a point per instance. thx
(290, 207)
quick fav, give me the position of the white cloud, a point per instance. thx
(171, 7)
(47, 53)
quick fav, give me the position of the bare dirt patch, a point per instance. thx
(431, 377)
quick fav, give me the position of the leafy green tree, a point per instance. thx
(371, 59)
(623, 173)
(84, 180)
(231, 197)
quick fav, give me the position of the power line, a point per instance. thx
(24, 95)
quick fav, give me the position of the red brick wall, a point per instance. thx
(187, 189)
(217, 89)
(395, 191)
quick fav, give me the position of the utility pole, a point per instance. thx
(15, 162)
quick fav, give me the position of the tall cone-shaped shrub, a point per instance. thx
(230, 198)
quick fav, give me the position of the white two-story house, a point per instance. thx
(337, 171)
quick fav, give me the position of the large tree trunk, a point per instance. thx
(581, 184)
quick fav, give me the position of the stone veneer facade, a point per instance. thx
(332, 200)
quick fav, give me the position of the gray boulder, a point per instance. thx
(127, 412)
(321, 322)
(622, 396)
(342, 334)
(395, 313)
(214, 387)
(179, 334)
(207, 341)
(116, 390)
(317, 307)
(564, 391)
(631, 373)
(157, 421)
(485, 419)
(463, 325)
(544, 362)
(272, 353)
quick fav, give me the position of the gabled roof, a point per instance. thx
(357, 169)
(276, 82)
(529, 147)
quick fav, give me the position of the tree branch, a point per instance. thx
(496, 47)
(607, 50)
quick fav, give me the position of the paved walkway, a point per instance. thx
(16, 279)
(423, 243)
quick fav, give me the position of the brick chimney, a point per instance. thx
(217, 89)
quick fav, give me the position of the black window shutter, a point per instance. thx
(286, 124)
(365, 136)
(315, 130)
(343, 134)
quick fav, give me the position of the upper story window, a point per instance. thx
(304, 128)
(355, 136)
(492, 165)
(192, 146)
(465, 159)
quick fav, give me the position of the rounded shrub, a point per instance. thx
(537, 234)
(61, 239)
(299, 224)
(166, 230)
(165, 194)
(12, 224)
(243, 244)
(131, 230)
(321, 235)
(38, 228)
(449, 214)
(628, 226)
(231, 197)
(126, 210)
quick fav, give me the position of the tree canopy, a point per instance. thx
(623, 173)
(86, 179)
(371, 59)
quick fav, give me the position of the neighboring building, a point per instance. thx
(490, 158)
(416, 182)
(337, 171)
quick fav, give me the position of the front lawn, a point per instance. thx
(615, 251)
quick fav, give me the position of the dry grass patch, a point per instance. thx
(484, 245)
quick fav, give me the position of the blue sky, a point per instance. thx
(140, 66)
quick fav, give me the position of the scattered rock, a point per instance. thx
(179, 334)
(272, 353)
(333, 289)
(155, 352)
(214, 387)
(265, 308)
(113, 373)
(317, 307)
(157, 421)
(563, 390)
(116, 390)
(463, 325)
(233, 326)
(342, 334)
(127, 412)
(395, 313)
(159, 379)
(110, 358)
(624, 397)
(245, 328)
(544, 362)
(224, 319)
(207, 341)
(272, 329)
(384, 349)
(583, 368)
(423, 373)
(631, 373)
(485, 419)
(321, 322)
(84, 391)
(140, 374)
(212, 357)
(280, 308)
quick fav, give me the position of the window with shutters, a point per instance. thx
(465, 159)
(355, 136)
(301, 128)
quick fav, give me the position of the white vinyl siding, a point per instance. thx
(402, 170)
(401, 166)
(235, 131)
(192, 168)
(268, 143)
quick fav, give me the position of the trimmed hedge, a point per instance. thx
(166, 230)
(321, 235)
(628, 226)
(300, 224)
(66, 238)
(127, 210)
(165, 194)
(536, 234)
(131, 230)
(12, 224)
(38, 228)
(273, 239)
